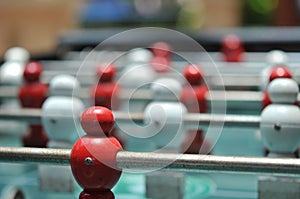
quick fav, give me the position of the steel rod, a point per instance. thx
(149, 161)
(125, 94)
(194, 120)
(257, 58)
(228, 81)
(225, 74)
(230, 72)
(190, 120)
(84, 93)
(32, 116)
(218, 82)
(210, 163)
(35, 155)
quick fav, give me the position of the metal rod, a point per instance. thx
(149, 161)
(230, 72)
(88, 67)
(32, 116)
(84, 93)
(193, 121)
(35, 155)
(215, 82)
(143, 94)
(211, 163)
(258, 58)
(225, 74)
(125, 94)
(225, 80)
(231, 81)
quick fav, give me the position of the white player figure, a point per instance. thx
(138, 55)
(61, 120)
(280, 121)
(273, 58)
(131, 58)
(280, 130)
(165, 132)
(164, 116)
(11, 71)
(11, 74)
(137, 75)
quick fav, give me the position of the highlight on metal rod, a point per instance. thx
(35, 155)
(208, 163)
(177, 162)
(146, 94)
(191, 120)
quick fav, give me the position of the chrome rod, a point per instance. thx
(192, 120)
(35, 155)
(149, 161)
(210, 163)
(126, 94)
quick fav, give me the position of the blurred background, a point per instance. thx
(37, 24)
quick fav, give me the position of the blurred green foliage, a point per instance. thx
(259, 12)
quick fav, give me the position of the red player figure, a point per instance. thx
(93, 157)
(160, 64)
(161, 61)
(32, 95)
(161, 49)
(193, 97)
(105, 93)
(232, 48)
(276, 72)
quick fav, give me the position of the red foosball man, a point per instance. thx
(193, 97)
(161, 49)
(32, 94)
(276, 72)
(161, 61)
(93, 157)
(105, 93)
(232, 48)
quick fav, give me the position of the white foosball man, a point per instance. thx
(11, 74)
(164, 116)
(61, 119)
(273, 58)
(280, 121)
(280, 130)
(138, 55)
(137, 74)
(11, 71)
(165, 132)
(277, 57)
